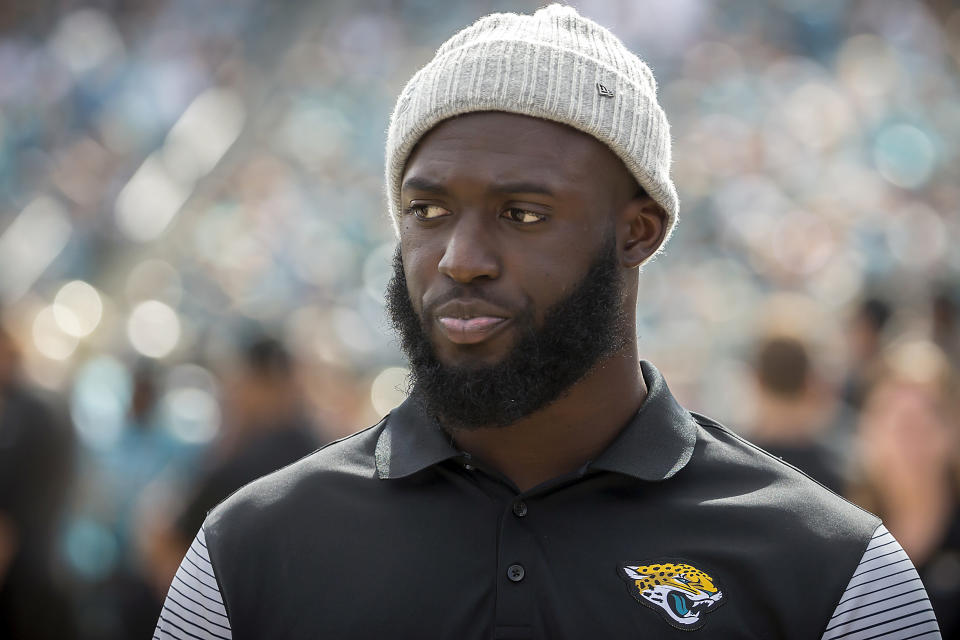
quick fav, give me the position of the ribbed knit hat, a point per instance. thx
(555, 65)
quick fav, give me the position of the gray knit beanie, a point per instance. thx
(555, 65)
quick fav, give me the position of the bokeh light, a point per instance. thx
(50, 338)
(30, 244)
(90, 548)
(904, 155)
(98, 403)
(78, 308)
(153, 328)
(203, 134)
(389, 389)
(193, 414)
(917, 236)
(148, 203)
(867, 66)
(86, 39)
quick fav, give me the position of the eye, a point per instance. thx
(428, 211)
(523, 216)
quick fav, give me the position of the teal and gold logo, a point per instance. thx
(680, 592)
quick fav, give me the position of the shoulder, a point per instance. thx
(750, 476)
(341, 465)
(35, 404)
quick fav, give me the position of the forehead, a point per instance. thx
(500, 146)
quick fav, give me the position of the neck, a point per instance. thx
(569, 432)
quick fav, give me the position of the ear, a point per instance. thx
(642, 226)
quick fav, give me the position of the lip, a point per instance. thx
(470, 321)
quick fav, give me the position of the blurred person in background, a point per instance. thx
(909, 461)
(36, 463)
(865, 338)
(796, 411)
(945, 328)
(114, 593)
(266, 427)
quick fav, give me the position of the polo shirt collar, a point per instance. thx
(654, 446)
(411, 441)
(660, 438)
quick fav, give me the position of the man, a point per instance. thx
(37, 449)
(266, 427)
(541, 481)
(796, 416)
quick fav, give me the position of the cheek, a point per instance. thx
(419, 268)
(545, 278)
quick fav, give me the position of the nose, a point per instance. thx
(470, 252)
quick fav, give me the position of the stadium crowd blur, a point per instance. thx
(194, 248)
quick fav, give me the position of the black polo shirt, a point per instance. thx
(679, 526)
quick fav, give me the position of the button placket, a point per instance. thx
(517, 568)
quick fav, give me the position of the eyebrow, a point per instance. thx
(423, 184)
(521, 187)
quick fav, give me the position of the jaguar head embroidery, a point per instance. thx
(681, 593)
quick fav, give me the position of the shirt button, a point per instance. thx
(519, 508)
(515, 572)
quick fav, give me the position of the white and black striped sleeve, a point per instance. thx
(194, 607)
(884, 599)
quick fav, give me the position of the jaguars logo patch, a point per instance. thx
(678, 591)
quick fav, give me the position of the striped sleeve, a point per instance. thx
(194, 608)
(884, 598)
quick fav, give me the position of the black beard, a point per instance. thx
(577, 333)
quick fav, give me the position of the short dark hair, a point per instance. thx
(782, 365)
(875, 311)
(266, 356)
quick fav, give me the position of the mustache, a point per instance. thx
(467, 292)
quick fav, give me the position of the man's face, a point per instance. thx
(508, 250)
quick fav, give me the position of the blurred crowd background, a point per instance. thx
(194, 249)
